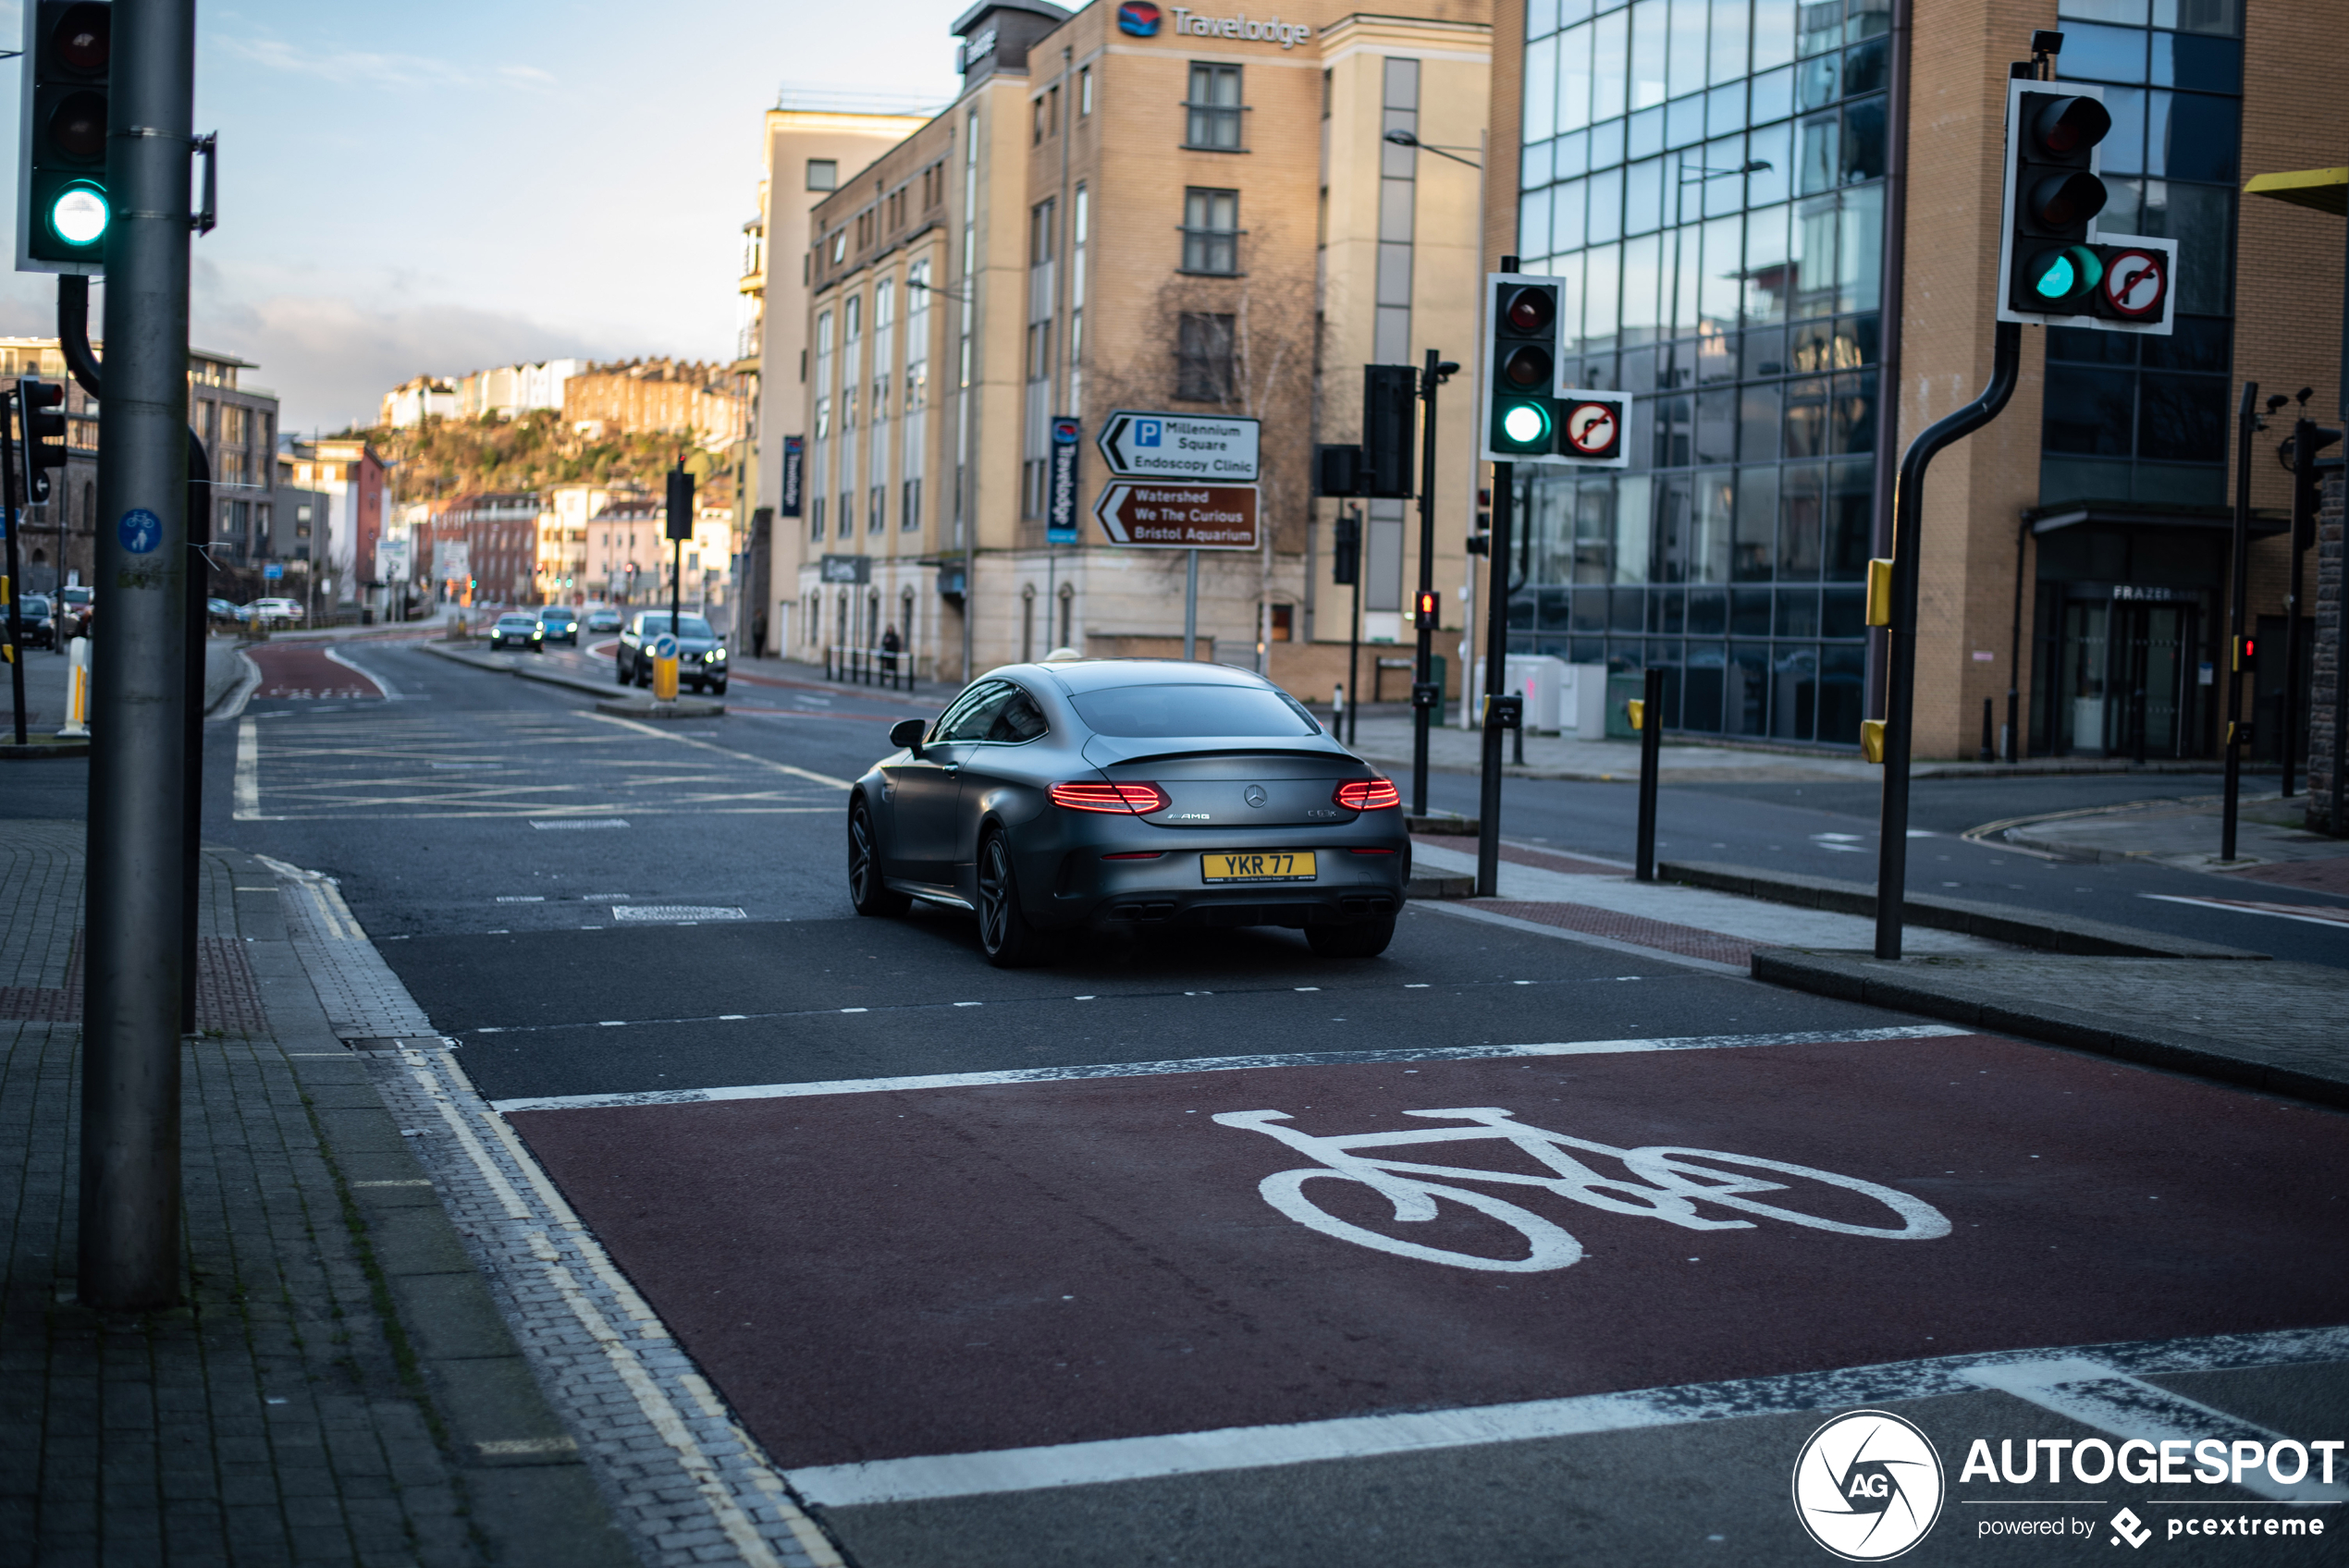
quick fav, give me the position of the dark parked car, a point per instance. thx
(1127, 793)
(561, 622)
(38, 612)
(603, 617)
(701, 652)
(517, 630)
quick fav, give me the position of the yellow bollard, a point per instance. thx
(665, 668)
(77, 725)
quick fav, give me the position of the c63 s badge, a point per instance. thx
(1869, 1485)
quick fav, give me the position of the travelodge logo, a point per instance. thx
(1138, 17)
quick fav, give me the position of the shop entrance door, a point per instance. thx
(2153, 680)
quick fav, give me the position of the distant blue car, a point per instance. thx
(560, 623)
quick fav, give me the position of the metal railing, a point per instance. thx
(869, 667)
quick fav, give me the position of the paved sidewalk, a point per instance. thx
(2272, 840)
(307, 1405)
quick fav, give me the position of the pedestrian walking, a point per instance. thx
(889, 647)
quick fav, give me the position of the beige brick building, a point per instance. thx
(1135, 207)
(1724, 187)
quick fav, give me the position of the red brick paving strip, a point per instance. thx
(1517, 854)
(226, 999)
(2330, 875)
(1686, 940)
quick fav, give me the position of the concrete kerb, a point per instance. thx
(471, 660)
(535, 1501)
(1924, 988)
(1997, 922)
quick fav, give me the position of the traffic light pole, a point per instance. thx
(1901, 640)
(1423, 659)
(129, 1176)
(1496, 659)
(1354, 645)
(2238, 569)
(15, 582)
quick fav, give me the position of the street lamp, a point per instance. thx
(1404, 139)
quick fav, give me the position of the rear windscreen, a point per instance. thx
(1192, 710)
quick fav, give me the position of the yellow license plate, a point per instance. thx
(1263, 865)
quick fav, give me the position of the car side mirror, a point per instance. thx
(908, 732)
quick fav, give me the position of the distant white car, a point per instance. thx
(274, 609)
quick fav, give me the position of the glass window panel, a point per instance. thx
(2078, 346)
(1684, 121)
(1798, 612)
(1751, 558)
(1541, 98)
(1850, 520)
(1773, 95)
(1686, 72)
(1672, 524)
(2088, 412)
(1860, 249)
(1590, 612)
(1533, 166)
(1843, 612)
(1627, 610)
(1690, 271)
(1839, 696)
(1565, 216)
(1574, 78)
(2190, 136)
(1643, 196)
(1675, 420)
(1605, 220)
(1867, 66)
(1818, 82)
(1603, 274)
(1758, 415)
(1520, 615)
(1820, 25)
(2102, 54)
(1610, 65)
(2129, 13)
(1717, 358)
(1646, 133)
(1721, 287)
(1667, 611)
(1552, 606)
(1774, 147)
(1725, 109)
(1852, 427)
(1642, 284)
(1572, 11)
(2201, 219)
(2200, 16)
(1807, 419)
(1570, 155)
(1764, 351)
(1639, 364)
(1650, 24)
(1540, 17)
(1774, 23)
(2182, 418)
(1863, 140)
(1701, 688)
(1533, 223)
(1708, 612)
(1819, 162)
(1715, 494)
(2123, 149)
(1724, 193)
(1595, 536)
(1794, 692)
(1550, 508)
(1748, 612)
(1801, 509)
(1727, 53)
(2195, 343)
(1867, 18)
(1812, 238)
(1717, 425)
(1606, 143)
(1568, 271)
(1860, 333)
(1632, 520)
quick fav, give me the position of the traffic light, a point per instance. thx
(1521, 367)
(2247, 654)
(2057, 266)
(1390, 421)
(45, 432)
(1427, 611)
(1337, 470)
(680, 504)
(1345, 551)
(62, 209)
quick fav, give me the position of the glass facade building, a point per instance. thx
(1706, 178)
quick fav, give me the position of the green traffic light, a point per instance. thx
(80, 215)
(1525, 424)
(2055, 282)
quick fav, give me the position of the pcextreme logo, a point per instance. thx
(1138, 17)
(1869, 1485)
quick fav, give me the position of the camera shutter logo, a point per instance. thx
(1869, 1485)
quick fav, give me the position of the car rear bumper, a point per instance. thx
(1076, 887)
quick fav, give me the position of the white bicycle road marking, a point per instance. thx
(1670, 1182)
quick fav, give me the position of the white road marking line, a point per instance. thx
(380, 684)
(2313, 914)
(247, 785)
(722, 750)
(1248, 1448)
(1461, 911)
(1218, 1064)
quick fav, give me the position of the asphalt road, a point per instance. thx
(1073, 1265)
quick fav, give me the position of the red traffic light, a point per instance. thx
(2069, 126)
(1527, 368)
(84, 37)
(1530, 309)
(1428, 613)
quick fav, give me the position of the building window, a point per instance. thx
(1214, 109)
(1041, 234)
(1284, 622)
(1085, 93)
(1036, 133)
(1211, 231)
(823, 174)
(1203, 358)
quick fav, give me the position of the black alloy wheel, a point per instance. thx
(619, 672)
(867, 894)
(1360, 938)
(1004, 934)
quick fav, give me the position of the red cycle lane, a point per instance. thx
(939, 1270)
(302, 670)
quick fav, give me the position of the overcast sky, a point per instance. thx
(438, 186)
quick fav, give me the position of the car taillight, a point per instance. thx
(1139, 800)
(1368, 794)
